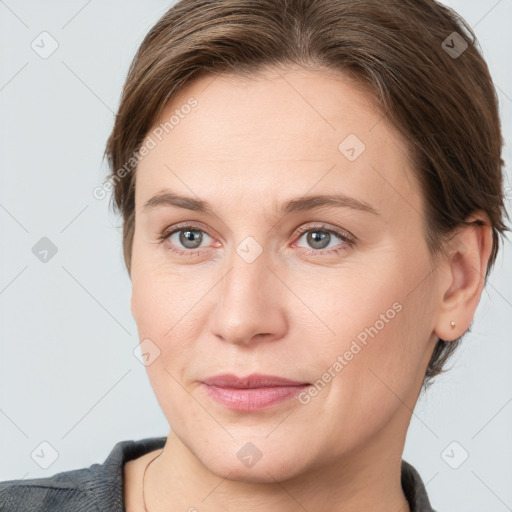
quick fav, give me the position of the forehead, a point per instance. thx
(289, 130)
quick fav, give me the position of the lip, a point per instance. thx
(251, 393)
(255, 380)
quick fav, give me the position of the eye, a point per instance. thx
(185, 239)
(319, 237)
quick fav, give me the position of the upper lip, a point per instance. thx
(255, 380)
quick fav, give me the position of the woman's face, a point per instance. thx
(268, 280)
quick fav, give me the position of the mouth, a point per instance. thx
(251, 393)
(255, 380)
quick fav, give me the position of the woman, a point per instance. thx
(311, 194)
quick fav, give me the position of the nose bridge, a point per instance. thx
(246, 282)
(246, 302)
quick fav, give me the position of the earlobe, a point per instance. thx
(466, 260)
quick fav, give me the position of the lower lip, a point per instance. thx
(252, 399)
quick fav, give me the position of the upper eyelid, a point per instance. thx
(183, 227)
(336, 230)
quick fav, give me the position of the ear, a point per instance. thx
(463, 277)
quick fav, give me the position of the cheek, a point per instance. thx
(378, 331)
(158, 292)
(168, 331)
(169, 310)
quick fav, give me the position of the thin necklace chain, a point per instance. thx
(144, 476)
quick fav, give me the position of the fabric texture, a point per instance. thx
(99, 488)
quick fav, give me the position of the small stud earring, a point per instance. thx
(452, 323)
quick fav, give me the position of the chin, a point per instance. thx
(255, 462)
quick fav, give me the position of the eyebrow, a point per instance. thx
(300, 204)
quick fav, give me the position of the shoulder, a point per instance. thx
(66, 490)
(94, 488)
(414, 489)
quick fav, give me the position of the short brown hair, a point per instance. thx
(436, 91)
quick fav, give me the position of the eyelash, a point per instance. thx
(343, 235)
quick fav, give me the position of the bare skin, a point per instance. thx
(246, 148)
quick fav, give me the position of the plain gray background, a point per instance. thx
(69, 376)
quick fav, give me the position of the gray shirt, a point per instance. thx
(99, 488)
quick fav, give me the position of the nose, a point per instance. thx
(251, 303)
